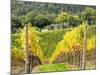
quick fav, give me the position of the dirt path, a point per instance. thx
(35, 69)
(17, 70)
(21, 70)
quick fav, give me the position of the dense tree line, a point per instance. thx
(43, 14)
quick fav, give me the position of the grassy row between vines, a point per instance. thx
(50, 39)
(52, 68)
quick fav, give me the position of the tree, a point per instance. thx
(90, 15)
(30, 17)
(15, 23)
(67, 19)
(51, 17)
(62, 17)
(41, 21)
(74, 20)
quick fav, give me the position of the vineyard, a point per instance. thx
(54, 47)
(69, 50)
(52, 37)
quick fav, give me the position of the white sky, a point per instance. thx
(82, 2)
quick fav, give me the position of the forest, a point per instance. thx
(52, 37)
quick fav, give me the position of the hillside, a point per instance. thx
(19, 8)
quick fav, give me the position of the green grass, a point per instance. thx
(49, 40)
(53, 67)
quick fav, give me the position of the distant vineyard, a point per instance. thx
(49, 40)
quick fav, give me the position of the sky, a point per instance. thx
(80, 2)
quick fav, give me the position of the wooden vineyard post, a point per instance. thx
(27, 59)
(79, 59)
(84, 48)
